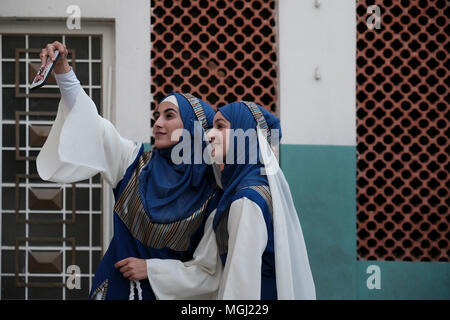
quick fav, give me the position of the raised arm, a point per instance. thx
(81, 143)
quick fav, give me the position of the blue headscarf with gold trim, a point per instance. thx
(235, 175)
(169, 191)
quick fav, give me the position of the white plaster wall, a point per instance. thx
(317, 112)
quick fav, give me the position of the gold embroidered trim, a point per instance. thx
(103, 288)
(175, 235)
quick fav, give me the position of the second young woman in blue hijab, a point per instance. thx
(253, 246)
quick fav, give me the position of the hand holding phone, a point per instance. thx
(53, 57)
(44, 72)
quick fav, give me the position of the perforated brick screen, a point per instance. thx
(402, 130)
(220, 51)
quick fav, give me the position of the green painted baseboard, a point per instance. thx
(322, 183)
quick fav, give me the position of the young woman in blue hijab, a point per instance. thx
(253, 246)
(161, 206)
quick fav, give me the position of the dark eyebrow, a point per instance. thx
(217, 120)
(170, 109)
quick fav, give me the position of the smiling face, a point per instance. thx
(219, 137)
(167, 120)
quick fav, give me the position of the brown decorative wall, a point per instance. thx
(402, 132)
(220, 51)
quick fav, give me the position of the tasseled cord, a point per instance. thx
(138, 287)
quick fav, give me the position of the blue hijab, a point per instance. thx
(169, 191)
(236, 175)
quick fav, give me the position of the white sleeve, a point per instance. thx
(81, 143)
(69, 85)
(198, 278)
(247, 240)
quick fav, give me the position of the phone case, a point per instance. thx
(44, 72)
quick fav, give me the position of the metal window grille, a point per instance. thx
(45, 226)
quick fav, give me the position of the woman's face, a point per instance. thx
(167, 120)
(219, 136)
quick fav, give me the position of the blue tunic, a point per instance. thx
(109, 280)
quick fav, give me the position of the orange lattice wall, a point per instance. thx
(402, 130)
(220, 51)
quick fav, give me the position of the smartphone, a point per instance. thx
(44, 72)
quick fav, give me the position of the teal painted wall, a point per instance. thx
(322, 182)
(147, 146)
(406, 280)
(323, 185)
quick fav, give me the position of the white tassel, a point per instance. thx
(138, 286)
(131, 291)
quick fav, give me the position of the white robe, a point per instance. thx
(81, 143)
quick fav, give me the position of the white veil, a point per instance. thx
(293, 273)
